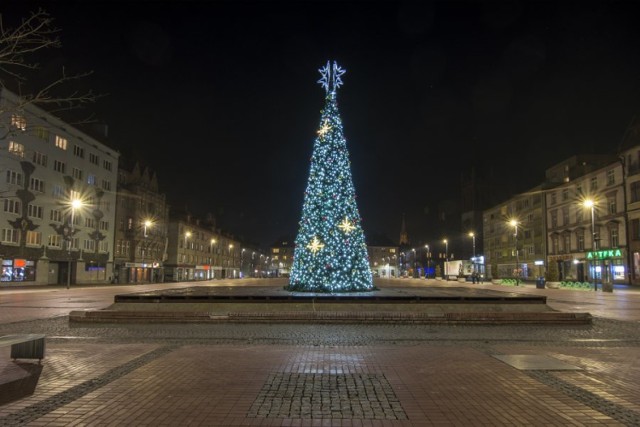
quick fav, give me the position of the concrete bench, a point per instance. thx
(24, 346)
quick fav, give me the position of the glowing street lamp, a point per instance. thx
(426, 272)
(473, 239)
(75, 204)
(147, 224)
(514, 224)
(590, 204)
(446, 256)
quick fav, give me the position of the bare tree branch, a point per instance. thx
(19, 47)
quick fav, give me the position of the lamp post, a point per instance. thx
(428, 255)
(415, 264)
(446, 256)
(514, 223)
(233, 259)
(473, 243)
(589, 203)
(146, 224)
(75, 204)
(186, 236)
(211, 261)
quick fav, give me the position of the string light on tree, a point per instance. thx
(330, 251)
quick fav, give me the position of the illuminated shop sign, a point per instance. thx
(609, 253)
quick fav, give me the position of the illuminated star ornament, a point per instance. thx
(315, 245)
(324, 129)
(346, 226)
(331, 80)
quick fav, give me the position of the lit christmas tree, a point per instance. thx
(330, 249)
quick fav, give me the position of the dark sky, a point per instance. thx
(221, 99)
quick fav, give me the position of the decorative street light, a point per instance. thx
(147, 224)
(428, 254)
(446, 256)
(75, 204)
(589, 203)
(186, 236)
(233, 259)
(415, 264)
(211, 260)
(473, 239)
(514, 223)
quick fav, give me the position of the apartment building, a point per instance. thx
(196, 250)
(58, 188)
(141, 234)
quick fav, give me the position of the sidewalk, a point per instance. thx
(326, 375)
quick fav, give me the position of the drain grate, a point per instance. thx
(324, 396)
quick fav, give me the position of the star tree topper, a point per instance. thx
(331, 80)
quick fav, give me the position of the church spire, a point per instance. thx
(404, 237)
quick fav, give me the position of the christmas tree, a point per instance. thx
(330, 249)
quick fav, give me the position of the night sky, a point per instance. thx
(220, 98)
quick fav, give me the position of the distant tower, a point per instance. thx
(404, 237)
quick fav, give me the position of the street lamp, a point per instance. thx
(446, 256)
(428, 254)
(187, 234)
(415, 264)
(75, 204)
(473, 239)
(147, 224)
(514, 223)
(233, 259)
(211, 260)
(589, 203)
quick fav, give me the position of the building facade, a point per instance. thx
(58, 199)
(141, 234)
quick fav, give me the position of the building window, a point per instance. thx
(34, 211)
(611, 177)
(554, 245)
(106, 164)
(554, 219)
(12, 206)
(612, 205)
(55, 215)
(579, 190)
(103, 246)
(89, 223)
(58, 191)
(40, 159)
(565, 194)
(55, 240)
(613, 237)
(14, 177)
(565, 216)
(635, 229)
(594, 184)
(61, 142)
(76, 173)
(10, 235)
(579, 215)
(89, 245)
(104, 225)
(635, 192)
(93, 159)
(16, 149)
(580, 241)
(19, 122)
(78, 151)
(566, 243)
(74, 243)
(34, 238)
(553, 198)
(91, 179)
(36, 185)
(59, 166)
(106, 185)
(42, 133)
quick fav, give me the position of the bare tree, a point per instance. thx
(20, 47)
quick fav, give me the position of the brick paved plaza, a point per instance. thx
(224, 374)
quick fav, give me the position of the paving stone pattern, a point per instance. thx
(327, 396)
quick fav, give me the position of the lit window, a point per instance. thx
(55, 240)
(34, 238)
(16, 149)
(91, 179)
(61, 142)
(18, 122)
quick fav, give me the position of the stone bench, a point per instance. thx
(24, 346)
